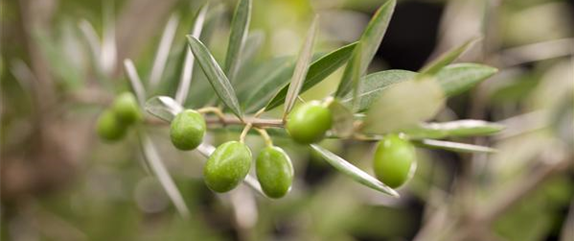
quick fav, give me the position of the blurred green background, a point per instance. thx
(59, 182)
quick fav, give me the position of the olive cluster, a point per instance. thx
(114, 122)
(229, 164)
(394, 159)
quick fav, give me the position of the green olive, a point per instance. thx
(227, 166)
(394, 161)
(309, 122)
(109, 128)
(187, 130)
(126, 108)
(274, 171)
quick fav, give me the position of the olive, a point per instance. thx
(394, 161)
(109, 128)
(227, 166)
(274, 171)
(187, 130)
(126, 108)
(309, 122)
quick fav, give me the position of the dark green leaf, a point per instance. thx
(354, 172)
(301, 68)
(457, 78)
(215, 75)
(369, 41)
(239, 29)
(318, 71)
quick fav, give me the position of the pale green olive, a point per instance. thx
(187, 130)
(394, 161)
(274, 171)
(109, 128)
(227, 166)
(126, 108)
(309, 122)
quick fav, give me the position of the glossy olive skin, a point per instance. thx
(109, 128)
(274, 171)
(394, 161)
(187, 130)
(227, 166)
(309, 122)
(126, 108)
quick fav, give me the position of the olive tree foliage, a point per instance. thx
(393, 107)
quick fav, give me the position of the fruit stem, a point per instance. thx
(244, 132)
(265, 136)
(214, 110)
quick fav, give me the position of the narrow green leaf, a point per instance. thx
(301, 68)
(446, 58)
(253, 45)
(373, 85)
(163, 107)
(261, 92)
(318, 71)
(187, 69)
(135, 81)
(237, 37)
(459, 128)
(162, 52)
(370, 42)
(215, 75)
(458, 78)
(353, 172)
(156, 165)
(343, 120)
(453, 146)
(403, 105)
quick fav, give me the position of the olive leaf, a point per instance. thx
(301, 68)
(343, 119)
(373, 85)
(253, 44)
(163, 107)
(459, 128)
(215, 75)
(457, 78)
(370, 42)
(237, 37)
(163, 51)
(453, 146)
(135, 81)
(262, 91)
(155, 163)
(318, 71)
(402, 105)
(187, 69)
(354, 172)
(446, 58)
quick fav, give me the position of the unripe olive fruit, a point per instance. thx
(126, 108)
(394, 161)
(187, 130)
(227, 166)
(109, 128)
(308, 123)
(274, 171)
